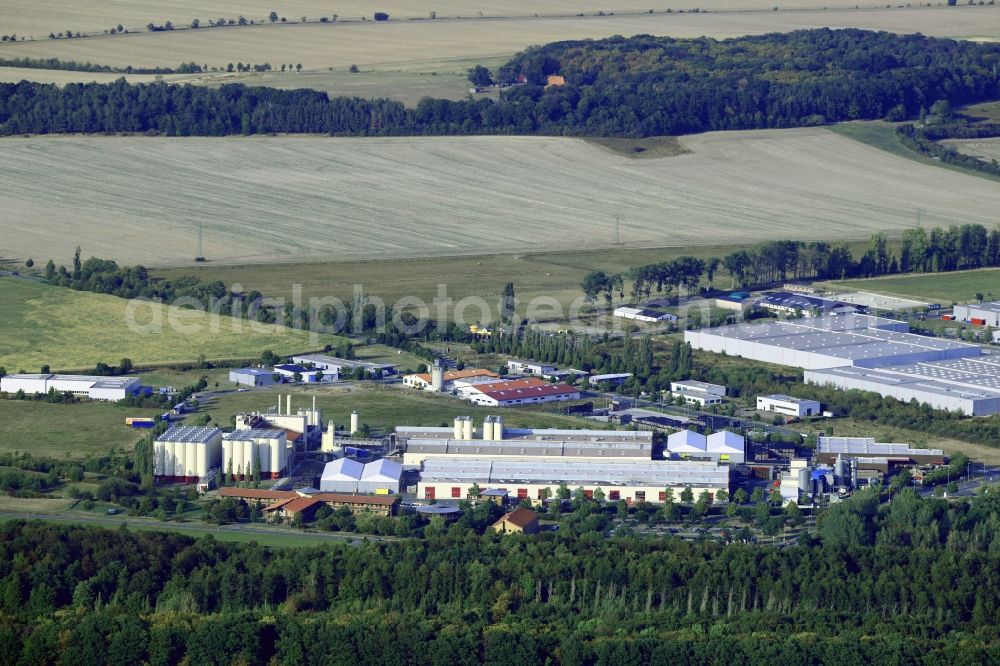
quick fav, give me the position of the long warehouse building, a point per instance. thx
(852, 351)
(96, 388)
(632, 481)
(495, 441)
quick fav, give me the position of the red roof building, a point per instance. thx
(520, 520)
(522, 392)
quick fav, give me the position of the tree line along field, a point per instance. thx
(957, 287)
(549, 275)
(319, 46)
(292, 199)
(71, 330)
(406, 82)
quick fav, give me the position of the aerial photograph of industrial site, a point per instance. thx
(556, 332)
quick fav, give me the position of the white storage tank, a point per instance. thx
(237, 458)
(227, 454)
(263, 452)
(159, 454)
(249, 455)
(277, 449)
(178, 453)
(191, 459)
(201, 461)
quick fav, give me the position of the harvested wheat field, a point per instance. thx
(319, 46)
(282, 199)
(984, 149)
(29, 18)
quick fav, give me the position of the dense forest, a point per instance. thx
(915, 581)
(636, 86)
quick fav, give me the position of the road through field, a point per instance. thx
(320, 46)
(286, 199)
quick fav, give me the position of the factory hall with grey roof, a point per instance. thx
(852, 351)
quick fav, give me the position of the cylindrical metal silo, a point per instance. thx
(467, 428)
(237, 458)
(159, 454)
(275, 462)
(177, 451)
(201, 460)
(459, 429)
(498, 427)
(355, 422)
(805, 481)
(249, 455)
(190, 460)
(839, 471)
(227, 454)
(488, 428)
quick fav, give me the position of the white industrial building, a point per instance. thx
(807, 305)
(629, 480)
(185, 454)
(298, 426)
(796, 483)
(267, 446)
(615, 378)
(981, 314)
(497, 442)
(521, 367)
(852, 351)
(333, 366)
(787, 405)
(828, 448)
(643, 314)
(974, 394)
(341, 476)
(381, 477)
(687, 444)
(83, 386)
(252, 377)
(288, 371)
(439, 379)
(723, 446)
(698, 393)
(726, 446)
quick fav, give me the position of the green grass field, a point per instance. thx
(265, 536)
(883, 135)
(957, 287)
(549, 275)
(383, 408)
(71, 330)
(75, 430)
